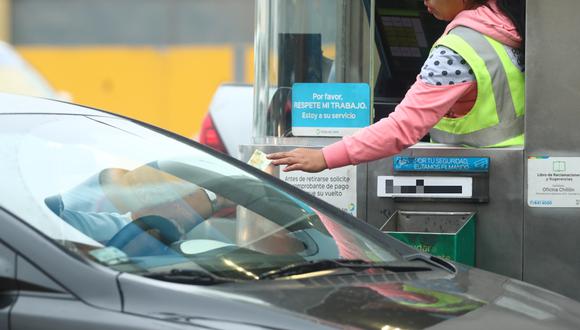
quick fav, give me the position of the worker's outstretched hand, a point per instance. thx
(307, 160)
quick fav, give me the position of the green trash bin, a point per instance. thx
(449, 235)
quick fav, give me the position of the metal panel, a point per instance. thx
(499, 222)
(499, 236)
(551, 257)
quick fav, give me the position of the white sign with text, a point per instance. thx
(554, 181)
(337, 186)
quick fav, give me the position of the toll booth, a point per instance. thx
(526, 199)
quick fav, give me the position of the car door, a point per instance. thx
(30, 299)
(35, 296)
(44, 304)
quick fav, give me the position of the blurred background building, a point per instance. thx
(159, 61)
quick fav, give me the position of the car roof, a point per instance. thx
(20, 104)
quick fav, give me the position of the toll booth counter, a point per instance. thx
(326, 68)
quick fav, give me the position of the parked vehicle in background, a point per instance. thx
(109, 223)
(18, 77)
(228, 123)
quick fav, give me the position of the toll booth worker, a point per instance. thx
(469, 92)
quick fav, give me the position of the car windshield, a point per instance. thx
(138, 201)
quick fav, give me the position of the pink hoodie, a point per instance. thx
(424, 104)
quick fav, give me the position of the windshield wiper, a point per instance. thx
(188, 276)
(328, 264)
(432, 260)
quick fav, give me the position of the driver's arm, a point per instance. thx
(100, 226)
(148, 191)
(188, 211)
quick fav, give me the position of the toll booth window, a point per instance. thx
(405, 32)
(306, 41)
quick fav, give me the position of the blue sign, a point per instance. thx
(441, 164)
(329, 109)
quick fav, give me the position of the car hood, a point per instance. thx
(470, 299)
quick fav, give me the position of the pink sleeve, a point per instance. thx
(423, 106)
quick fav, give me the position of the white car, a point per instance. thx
(18, 77)
(228, 123)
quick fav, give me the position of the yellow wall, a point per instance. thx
(249, 65)
(170, 88)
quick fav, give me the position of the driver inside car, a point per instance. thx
(108, 201)
(126, 208)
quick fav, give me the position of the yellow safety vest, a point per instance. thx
(497, 117)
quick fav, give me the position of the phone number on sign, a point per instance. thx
(540, 202)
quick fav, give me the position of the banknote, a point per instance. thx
(259, 160)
